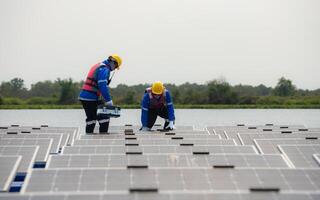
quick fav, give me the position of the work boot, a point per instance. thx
(104, 127)
(90, 128)
(104, 124)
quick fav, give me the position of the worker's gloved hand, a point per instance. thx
(109, 103)
(145, 129)
(170, 126)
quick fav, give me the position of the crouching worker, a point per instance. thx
(157, 102)
(96, 89)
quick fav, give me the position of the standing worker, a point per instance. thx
(157, 102)
(95, 86)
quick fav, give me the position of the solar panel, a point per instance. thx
(178, 140)
(255, 128)
(240, 135)
(161, 196)
(122, 128)
(71, 180)
(43, 143)
(99, 142)
(160, 149)
(172, 141)
(153, 136)
(32, 134)
(248, 139)
(229, 162)
(162, 161)
(69, 133)
(301, 155)
(271, 145)
(220, 133)
(57, 142)
(40, 129)
(155, 127)
(28, 154)
(8, 168)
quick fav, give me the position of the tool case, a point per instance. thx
(109, 111)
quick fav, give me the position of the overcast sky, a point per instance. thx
(245, 41)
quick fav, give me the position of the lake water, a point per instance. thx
(198, 117)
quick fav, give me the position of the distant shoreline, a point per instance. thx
(199, 106)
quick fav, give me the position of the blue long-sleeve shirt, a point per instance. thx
(145, 105)
(102, 78)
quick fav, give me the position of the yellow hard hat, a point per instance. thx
(118, 59)
(157, 87)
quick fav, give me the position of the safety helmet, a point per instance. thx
(157, 87)
(117, 58)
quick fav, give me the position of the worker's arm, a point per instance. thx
(103, 77)
(170, 106)
(145, 110)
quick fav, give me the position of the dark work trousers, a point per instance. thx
(154, 113)
(90, 107)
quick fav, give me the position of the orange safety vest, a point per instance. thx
(91, 83)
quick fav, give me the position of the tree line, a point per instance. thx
(217, 91)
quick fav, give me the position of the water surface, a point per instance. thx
(198, 117)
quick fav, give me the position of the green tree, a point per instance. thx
(262, 90)
(44, 89)
(248, 90)
(14, 88)
(5, 89)
(192, 93)
(284, 88)
(17, 84)
(175, 95)
(220, 92)
(68, 91)
(129, 98)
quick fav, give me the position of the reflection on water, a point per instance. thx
(199, 117)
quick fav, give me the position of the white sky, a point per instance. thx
(245, 41)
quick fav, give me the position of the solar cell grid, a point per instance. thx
(43, 143)
(161, 196)
(161, 161)
(227, 162)
(301, 155)
(271, 145)
(248, 139)
(27, 153)
(151, 136)
(155, 141)
(69, 133)
(8, 168)
(160, 149)
(57, 141)
(50, 180)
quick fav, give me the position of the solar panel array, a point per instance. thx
(226, 162)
